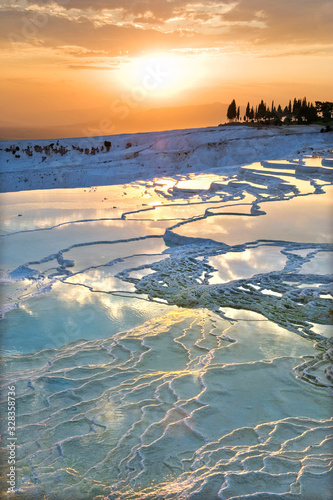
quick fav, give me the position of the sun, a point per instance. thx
(157, 75)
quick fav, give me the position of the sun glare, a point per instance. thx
(158, 75)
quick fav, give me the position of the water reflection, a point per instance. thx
(159, 394)
(238, 265)
(301, 219)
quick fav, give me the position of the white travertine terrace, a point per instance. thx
(173, 335)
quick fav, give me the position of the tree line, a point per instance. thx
(298, 111)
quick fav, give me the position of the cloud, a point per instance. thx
(300, 21)
(128, 28)
(110, 38)
(160, 9)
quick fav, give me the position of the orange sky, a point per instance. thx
(105, 62)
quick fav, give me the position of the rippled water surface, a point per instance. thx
(171, 339)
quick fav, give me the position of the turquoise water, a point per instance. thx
(172, 342)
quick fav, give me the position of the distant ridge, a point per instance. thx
(142, 120)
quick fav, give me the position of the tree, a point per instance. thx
(247, 112)
(262, 110)
(232, 110)
(238, 112)
(297, 109)
(309, 112)
(326, 109)
(256, 115)
(268, 114)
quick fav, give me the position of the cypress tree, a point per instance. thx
(262, 110)
(247, 112)
(232, 110)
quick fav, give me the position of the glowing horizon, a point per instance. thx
(64, 60)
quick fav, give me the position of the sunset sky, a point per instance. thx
(73, 61)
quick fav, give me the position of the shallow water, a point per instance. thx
(171, 339)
